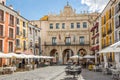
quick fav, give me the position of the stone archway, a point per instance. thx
(54, 53)
(82, 52)
(67, 53)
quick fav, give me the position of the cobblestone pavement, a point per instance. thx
(54, 73)
(45, 73)
(86, 75)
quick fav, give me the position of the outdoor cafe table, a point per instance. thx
(73, 72)
(115, 73)
(10, 68)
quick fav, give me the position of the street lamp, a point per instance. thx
(78, 58)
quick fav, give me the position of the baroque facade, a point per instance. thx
(65, 34)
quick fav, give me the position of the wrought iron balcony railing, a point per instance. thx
(67, 44)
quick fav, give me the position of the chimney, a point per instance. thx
(11, 7)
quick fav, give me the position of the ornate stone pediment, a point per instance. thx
(68, 11)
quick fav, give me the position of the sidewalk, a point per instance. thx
(45, 73)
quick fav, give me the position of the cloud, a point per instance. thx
(95, 5)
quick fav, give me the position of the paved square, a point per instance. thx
(54, 73)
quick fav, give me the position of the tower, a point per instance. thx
(3, 2)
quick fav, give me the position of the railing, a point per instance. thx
(67, 44)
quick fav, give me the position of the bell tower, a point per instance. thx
(3, 2)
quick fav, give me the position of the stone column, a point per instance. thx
(105, 60)
(95, 58)
(60, 56)
(117, 60)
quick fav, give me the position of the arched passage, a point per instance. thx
(82, 52)
(54, 53)
(67, 53)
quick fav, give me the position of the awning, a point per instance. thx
(112, 48)
(2, 55)
(88, 56)
(96, 25)
(76, 56)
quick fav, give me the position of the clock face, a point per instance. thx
(82, 52)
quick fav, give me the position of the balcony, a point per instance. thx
(68, 44)
(109, 31)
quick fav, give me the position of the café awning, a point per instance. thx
(112, 48)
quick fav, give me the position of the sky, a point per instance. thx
(35, 9)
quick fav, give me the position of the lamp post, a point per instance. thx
(78, 58)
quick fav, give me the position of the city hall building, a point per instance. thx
(65, 34)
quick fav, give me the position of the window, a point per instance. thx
(78, 25)
(24, 45)
(68, 40)
(17, 20)
(96, 29)
(63, 25)
(1, 16)
(17, 43)
(36, 32)
(24, 33)
(72, 25)
(97, 40)
(84, 24)
(119, 35)
(1, 30)
(104, 19)
(93, 32)
(1, 45)
(11, 20)
(23, 24)
(30, 30)
(117, 21)
(104, 42)
(117, 8)
(82, 40)
(10, 46)
(10, 32)
(18, 30)
(53, 40)
(31, 44)
(110, 40)
(93, 41)
(109, 13)
(57, 25)
(51, 26)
